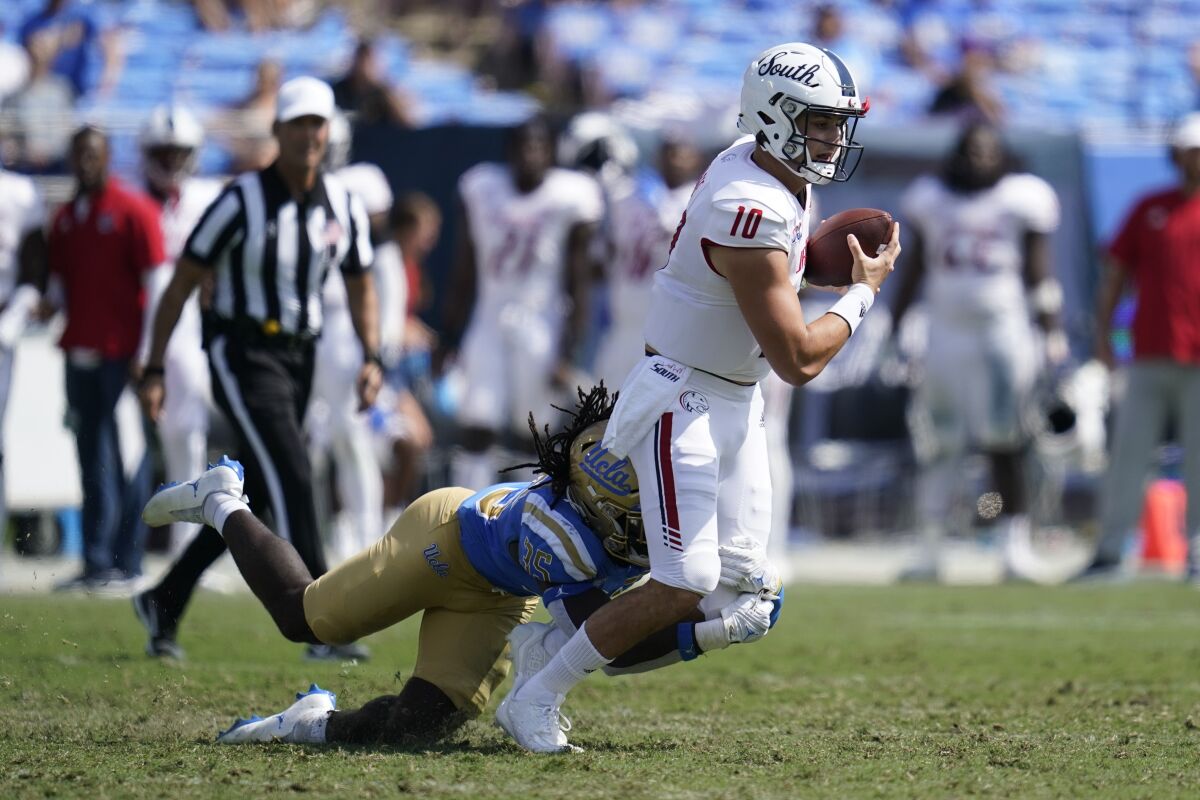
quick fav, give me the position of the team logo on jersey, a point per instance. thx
(669, 371)
(614, 474)
(432, 553)
(694, 402)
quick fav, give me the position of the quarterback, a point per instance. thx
(475, 563)
(724, 311)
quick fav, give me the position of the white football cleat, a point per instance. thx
(184, 502)
(309, 707)
(528, 651)
(535, 725)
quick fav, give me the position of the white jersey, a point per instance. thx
(644, 215)
(521, 239)
(21, 211)
(179, 216)
(693, 316)
(974, 245)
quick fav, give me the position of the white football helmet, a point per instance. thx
(596, 142)
(779, 90)
(170, 128)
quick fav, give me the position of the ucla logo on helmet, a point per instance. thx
(615, 475)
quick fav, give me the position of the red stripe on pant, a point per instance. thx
(670, 508)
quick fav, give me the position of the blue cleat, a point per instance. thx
(291, 725)
(184, 502)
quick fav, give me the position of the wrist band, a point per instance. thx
(374, 357)
(152, 371)
(854, 305)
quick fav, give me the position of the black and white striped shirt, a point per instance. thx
(271, 254)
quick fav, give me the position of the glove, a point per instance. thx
(746, 619)
(744, 567)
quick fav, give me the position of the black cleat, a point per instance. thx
(336, 652)
(162, 642)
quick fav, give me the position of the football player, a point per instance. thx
(474, 563)
(723, 312)
(522, 279)
(170, 140)
(22, 278)
(981, 241)
(335, 422)
(646, 208)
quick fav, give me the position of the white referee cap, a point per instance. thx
(1186, 134)
(302, 97)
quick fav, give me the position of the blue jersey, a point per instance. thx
(523, 542)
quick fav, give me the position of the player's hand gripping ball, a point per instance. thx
(829, 261)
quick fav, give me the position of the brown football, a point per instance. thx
(828, 262)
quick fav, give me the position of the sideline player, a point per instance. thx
(645, 212)
(474, 563)
(170, 140)
(22, 265)
(723, 312)
(522, 276)
(981, 238)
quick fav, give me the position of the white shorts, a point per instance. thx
(977, 391)
(507, 357)
(704, 479)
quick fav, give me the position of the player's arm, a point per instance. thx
(363, 302)
(797, 350)
(31, 285)
(579, 275)
(910, 278)
(1045, 294)
(460, 299)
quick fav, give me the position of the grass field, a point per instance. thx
(860, 692)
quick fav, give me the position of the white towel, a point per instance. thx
(650, 389)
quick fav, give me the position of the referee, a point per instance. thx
(267, 243)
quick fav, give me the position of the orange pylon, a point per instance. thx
(1164, 545)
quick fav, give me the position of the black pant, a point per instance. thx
(263, 389)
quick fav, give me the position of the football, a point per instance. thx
(828, 261)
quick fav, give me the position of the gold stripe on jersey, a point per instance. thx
(580, 566)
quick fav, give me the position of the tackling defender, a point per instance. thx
(723, 312)
(475, 563)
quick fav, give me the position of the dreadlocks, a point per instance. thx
(553, 451)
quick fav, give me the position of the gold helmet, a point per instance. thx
(605, 490)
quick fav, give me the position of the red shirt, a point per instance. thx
(1160, 247)
(100, 246)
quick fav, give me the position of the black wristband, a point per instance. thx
(151, 371)
(373, 357)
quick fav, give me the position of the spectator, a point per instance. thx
(1155, 250)
(829, 31)
(41, 111)
(967, 93)
(364, 93)
(254, 147)
(102, 244)
(14, 66)
(73, 34)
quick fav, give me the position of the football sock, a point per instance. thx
(573, 662)
(218, 506)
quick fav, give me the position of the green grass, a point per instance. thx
(860, 692)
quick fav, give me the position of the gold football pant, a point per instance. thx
(419, 565)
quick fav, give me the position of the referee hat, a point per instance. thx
(302, 97)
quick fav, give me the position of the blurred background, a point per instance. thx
(1085, 92)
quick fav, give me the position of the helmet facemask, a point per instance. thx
(618, 528)
(795, 153)
(167, 166)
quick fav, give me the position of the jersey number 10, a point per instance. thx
(750, 227)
